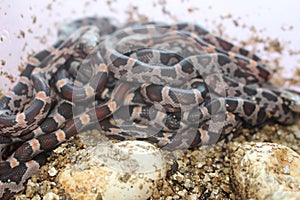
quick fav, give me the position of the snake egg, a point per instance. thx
(124, 170)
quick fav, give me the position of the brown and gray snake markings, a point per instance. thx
(175, 85)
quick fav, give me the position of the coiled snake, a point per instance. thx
(175, 85)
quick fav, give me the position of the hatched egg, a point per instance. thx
(124, 170)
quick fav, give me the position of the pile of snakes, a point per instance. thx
(176, 85)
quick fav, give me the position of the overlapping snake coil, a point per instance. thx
(175, 85)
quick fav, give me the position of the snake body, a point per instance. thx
(175, 85)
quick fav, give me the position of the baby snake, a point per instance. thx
(175, 85)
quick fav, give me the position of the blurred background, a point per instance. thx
(270, 28)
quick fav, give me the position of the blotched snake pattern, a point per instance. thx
(175, 85)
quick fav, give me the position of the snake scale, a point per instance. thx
(175, 85)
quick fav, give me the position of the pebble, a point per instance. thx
(266, 171)
(51, 196)
(52, 171)
(123, 170)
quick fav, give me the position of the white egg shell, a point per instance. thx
(124, 170)
(265, 171)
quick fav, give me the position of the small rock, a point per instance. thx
(295, 129)
(124, 170)
(266, 171)
(52, 171)
(51, 196)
